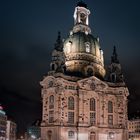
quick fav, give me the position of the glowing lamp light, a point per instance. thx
(2, 112)
(1, 108)
(33, 136)
(111, 135)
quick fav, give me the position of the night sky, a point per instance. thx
(28, 30)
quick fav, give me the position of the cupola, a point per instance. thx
(83, 54)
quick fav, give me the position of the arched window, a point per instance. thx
(89, 72)
(71, 110)
(88, 49)
(53, 66)
(92, 111)
(51, 99)
(51, 109)
(110, 113)
(71, 134)
(92, 104)
(113, 77)
(71, 103)
(49, 135)
(51, 102)
(92, 135)
(110, 107)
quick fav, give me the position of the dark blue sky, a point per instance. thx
(28, 30)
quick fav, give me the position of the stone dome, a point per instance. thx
(83, 54)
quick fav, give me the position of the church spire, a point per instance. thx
(114, 57)
(115, 73)
(59, 43)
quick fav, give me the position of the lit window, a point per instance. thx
(71, 117)
(71, 103)
(71, 135)
(87, 47)
(110, 107)
(92, 104)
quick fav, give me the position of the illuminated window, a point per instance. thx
(110, 107)
(71, 134)
(51, 102)
(92, 104)
(51, 116)
(71, 103)
(87, 45)
(71, 117)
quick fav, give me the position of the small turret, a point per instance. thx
(59, 43)
(81, 18)
(114, 57)
(57, 63)
(114, 71)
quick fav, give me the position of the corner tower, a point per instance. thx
(83, 54)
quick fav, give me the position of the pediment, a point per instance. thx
(92, 83)
(48, 81)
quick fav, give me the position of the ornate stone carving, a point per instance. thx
(92, 84)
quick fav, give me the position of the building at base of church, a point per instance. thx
(80, 99)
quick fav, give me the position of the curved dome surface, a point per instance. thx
(82, 52)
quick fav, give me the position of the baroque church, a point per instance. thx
(81, 100)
